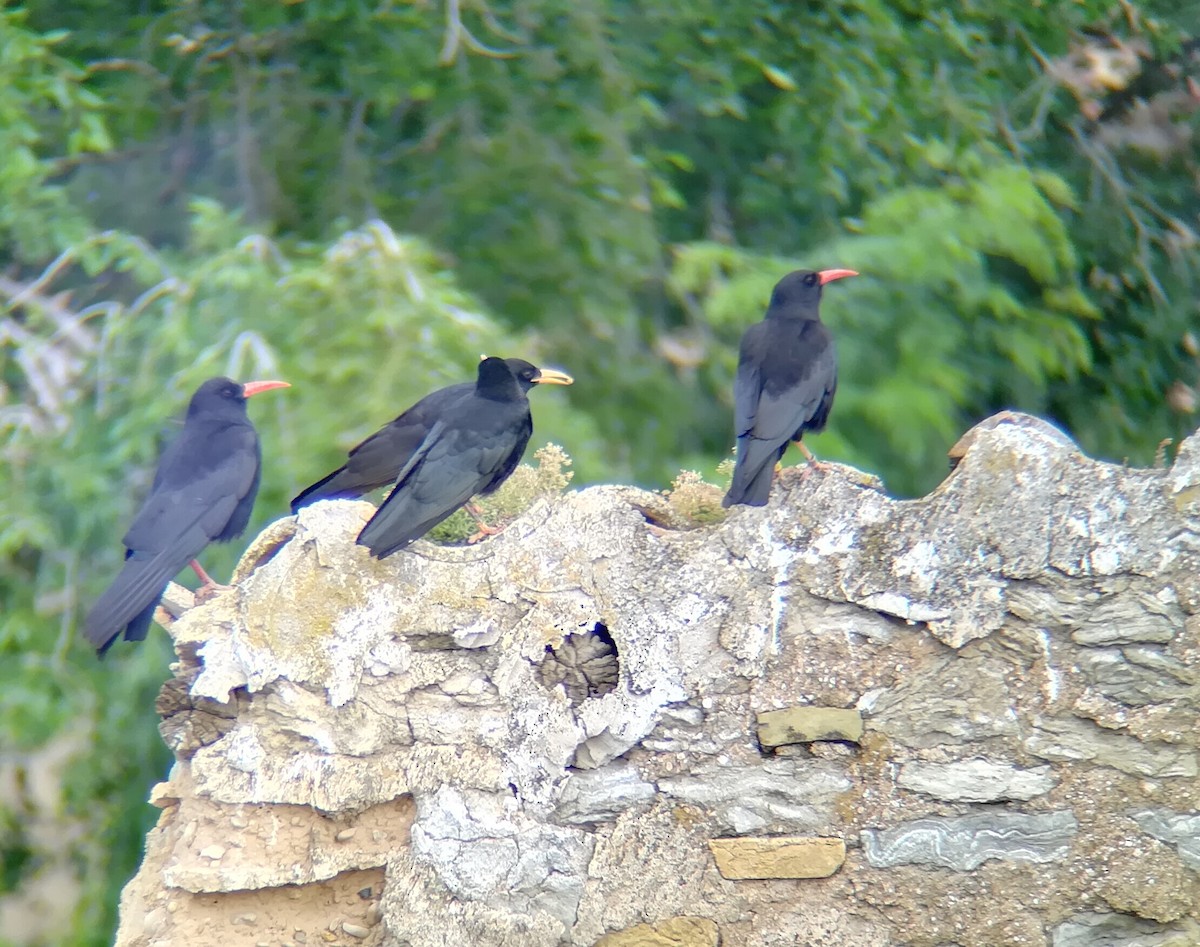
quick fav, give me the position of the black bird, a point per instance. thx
(786, 377)
(471, 447)
(203, 492)
(377, 461)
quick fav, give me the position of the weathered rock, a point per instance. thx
(786, 857)
(975, 780)
(808, 724)
(1120, 930)
(966, 842)
(543, 739)
(590, 796)
(1181, 829)
(1065, 738)
(773, 796)
(673, 932)
(1148, 882)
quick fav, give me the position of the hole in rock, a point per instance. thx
(586, 664)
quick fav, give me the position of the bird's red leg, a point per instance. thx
(812, 462)
(207, 585)
(484, 530)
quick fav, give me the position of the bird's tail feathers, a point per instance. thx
(325, 489)
(753, 473)
(138, 588)
(136, 630)
(383, 534)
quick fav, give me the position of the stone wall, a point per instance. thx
(843, 719)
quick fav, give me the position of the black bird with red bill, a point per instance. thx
(203, 492)
(471, 447)
(786, 379)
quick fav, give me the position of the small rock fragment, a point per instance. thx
(807, 724)
(680, 931)
(355, 930)
(788, 857)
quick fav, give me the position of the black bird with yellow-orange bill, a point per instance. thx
(377, 461)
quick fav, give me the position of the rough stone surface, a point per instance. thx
(975, 780)
(808, 724)
(673, 932)
(1181, 829)
(1121, 930)
(966, 842)
(786, 857)
(532, 741)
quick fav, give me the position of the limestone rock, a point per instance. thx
(975, 780)
(1177, 828)
(1091, 929)
(673, 932)
(546, 738)
(808, 724)
(966, 842)
(787, 857)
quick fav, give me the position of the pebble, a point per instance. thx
(300, 937)
(345, 835)
(355, 930)
(238, 822)
(212, 851)
(364, 893)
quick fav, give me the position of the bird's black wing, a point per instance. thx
(201, 482)
(510, 463)
(774, 405)
(453, 465)
(378, 460)
(787, 408)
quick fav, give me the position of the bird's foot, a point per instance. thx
(209, 590)
(483, 533)
(208, 586)
(810, 463)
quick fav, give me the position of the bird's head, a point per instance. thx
(800, 290)
(527, 374)
(219, 394)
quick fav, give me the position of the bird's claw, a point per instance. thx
(810, 467)
(483, 533)
(209, 590)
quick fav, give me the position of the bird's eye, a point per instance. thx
(810, 279)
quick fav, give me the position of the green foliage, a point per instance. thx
(44, 98)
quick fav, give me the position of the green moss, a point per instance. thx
(695, 500)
